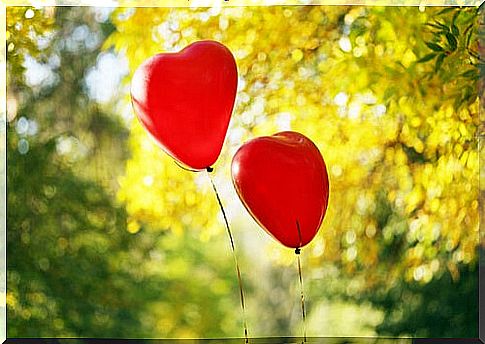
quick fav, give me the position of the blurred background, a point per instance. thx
(107, 237)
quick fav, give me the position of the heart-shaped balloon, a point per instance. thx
(185, 100)
(282, 181)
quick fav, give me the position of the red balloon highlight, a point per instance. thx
(282, 181)
(185, 100)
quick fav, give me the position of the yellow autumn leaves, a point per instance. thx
(402, 159)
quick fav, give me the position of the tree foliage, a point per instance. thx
(389, 97)
(74, 266)
(108, 237)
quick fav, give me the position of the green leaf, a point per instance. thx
(427, 58)
(439, 62)
(446, 10)
(455, 30)
(469, 32)
(443, 26)
(457, 103)
(433, 25)
(453, 21)
(452, 41)
(434, 46)
(472, 73)
(390, 92)
(468, 94)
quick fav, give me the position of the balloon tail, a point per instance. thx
(185, 168)
(297, 251)
(239, 279)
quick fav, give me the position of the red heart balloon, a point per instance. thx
(282, 181)
(185, 100)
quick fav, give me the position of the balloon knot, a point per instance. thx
(297, 250)
(209, 169)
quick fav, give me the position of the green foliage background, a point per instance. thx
(108, 238)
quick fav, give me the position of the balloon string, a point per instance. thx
(302, 299)
(297, 251)
(239, 279)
